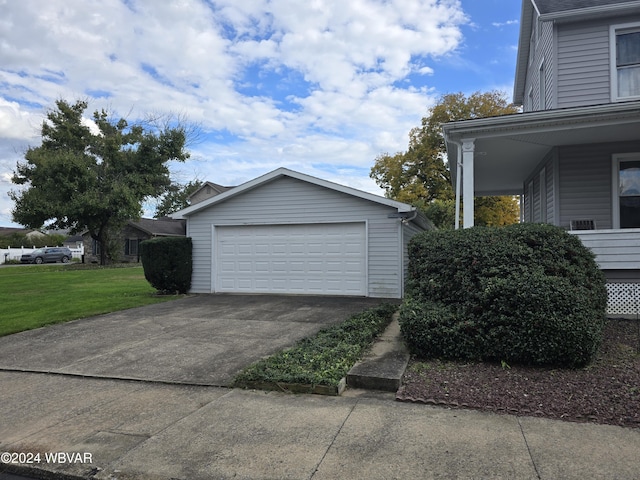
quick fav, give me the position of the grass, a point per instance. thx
(324, 358)
(35, 296)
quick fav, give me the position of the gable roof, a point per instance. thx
(284, 172)
(559, 11)
(214, 186)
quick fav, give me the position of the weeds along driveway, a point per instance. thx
(202, 340)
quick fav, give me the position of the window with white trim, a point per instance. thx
(626, 190)
(625, 61)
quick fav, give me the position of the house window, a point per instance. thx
(131, 246)
(96, 247)
(625, 59)
(626, 191)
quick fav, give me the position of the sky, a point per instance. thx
(322, 87)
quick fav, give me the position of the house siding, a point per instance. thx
(290, 201)
(615, 250)
(585, 182)
(536, 208)
(583, 64)
(542, 53)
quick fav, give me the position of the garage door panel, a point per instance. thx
(318, 258)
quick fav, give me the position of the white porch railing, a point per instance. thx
(14, 253)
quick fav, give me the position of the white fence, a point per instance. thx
(14, 253)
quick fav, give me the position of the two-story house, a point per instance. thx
(573, 155)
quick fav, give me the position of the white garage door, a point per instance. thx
(327, 259)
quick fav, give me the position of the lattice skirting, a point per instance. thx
(624, 299)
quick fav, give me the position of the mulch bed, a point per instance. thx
(606, 392)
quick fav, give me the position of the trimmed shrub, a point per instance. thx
(167, 263)
(525, 293)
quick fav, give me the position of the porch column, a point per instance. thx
(468, 190)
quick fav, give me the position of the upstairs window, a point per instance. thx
(626, 72)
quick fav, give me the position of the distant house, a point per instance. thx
(132, 234)
(28, 233)
(208, 190)
(573, 155)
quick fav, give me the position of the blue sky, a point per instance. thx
(321, 86)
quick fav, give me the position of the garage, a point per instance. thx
(290, 233)
(319, 259)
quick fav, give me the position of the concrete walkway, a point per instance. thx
(88, 392)
(140, 430)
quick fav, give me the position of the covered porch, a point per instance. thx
(498, 155)
(577, 168)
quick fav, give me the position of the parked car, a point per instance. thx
(47, 255)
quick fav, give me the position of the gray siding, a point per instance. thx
(286, 201)
(585, 182)
(536, 205)
(583, 64)
(614, 250)
(550, 174)
(542, 52)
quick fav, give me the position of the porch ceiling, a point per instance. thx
(508, 148)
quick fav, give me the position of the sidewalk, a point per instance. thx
(153, 431)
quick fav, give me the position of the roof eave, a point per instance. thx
(522, 59)
(479, 126)
(591, 12)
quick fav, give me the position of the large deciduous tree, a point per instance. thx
(177, 197)
(420, 176)
(93, 181)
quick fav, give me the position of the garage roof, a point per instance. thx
(284, 172)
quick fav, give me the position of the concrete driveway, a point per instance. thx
(199, 340)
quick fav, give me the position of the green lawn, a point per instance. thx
(34, 296)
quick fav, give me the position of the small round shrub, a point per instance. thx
(525, 293)
(167, 263)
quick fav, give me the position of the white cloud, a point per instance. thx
(506, 24)
(333, 87)
(17, 123)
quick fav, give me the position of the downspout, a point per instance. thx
(407, 220)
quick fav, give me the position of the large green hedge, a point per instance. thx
(167, 263)
(525, 293)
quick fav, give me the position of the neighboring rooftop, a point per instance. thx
(207, 190)
(163, 227)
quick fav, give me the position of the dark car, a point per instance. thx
(47, 255)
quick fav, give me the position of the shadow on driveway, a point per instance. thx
(199, 340)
